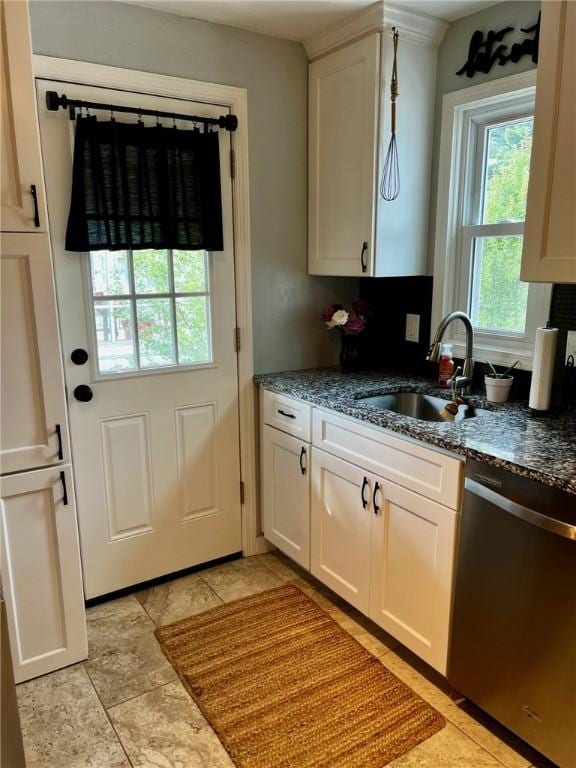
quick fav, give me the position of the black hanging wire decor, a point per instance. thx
(390, 183)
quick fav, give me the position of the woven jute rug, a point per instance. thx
(284, 686)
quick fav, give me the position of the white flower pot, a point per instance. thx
(497, 390)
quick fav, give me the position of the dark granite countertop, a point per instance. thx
(507, 436)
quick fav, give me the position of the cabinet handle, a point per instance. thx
(302, 456)
(376, 489)
(288, 415)
(64, 489)
(59, 436)
(34, 194)
(364, 499)
(363, 262)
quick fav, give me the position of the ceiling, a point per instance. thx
(299, 19)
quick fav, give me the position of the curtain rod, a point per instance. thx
(54, 101)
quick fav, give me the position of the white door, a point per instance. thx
(33, 422)
(343, 125)
(156, 451)
(413, 541)
(286, 494)
(22, 207)
(340, 528)
(41, 575)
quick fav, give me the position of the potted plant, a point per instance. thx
(498, 384)
(350, 324)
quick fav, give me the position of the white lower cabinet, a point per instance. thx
(373, 516)
(413, 547)
(41, 573)
(340, 528)
(286, 494)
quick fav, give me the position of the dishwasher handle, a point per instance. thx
(526, 514)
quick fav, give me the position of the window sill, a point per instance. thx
(497, 355)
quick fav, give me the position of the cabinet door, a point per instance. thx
(21, 166)
(550, 232)
(343, 115)
(41, 575)
(340, 528)
(413, 541)
(286, 494)
(33, 430)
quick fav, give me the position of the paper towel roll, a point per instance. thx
(543, 368)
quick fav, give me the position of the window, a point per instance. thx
(151, 309)
(485, 153)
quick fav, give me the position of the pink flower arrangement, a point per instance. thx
(351, 321)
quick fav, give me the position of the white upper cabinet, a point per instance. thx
(33, 419)
(343, 114)
(22, 204)
(550, 232)
(352, 230)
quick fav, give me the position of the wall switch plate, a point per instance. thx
(571, 346)
(412, 327)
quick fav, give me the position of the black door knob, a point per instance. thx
(83, 393)
(79, 356)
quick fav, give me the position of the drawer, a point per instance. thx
(403, 461)
(285, 413)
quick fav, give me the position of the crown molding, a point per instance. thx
(379, 17)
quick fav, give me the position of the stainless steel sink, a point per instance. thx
(418, 406)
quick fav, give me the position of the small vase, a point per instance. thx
(350, 354)
(497, 390)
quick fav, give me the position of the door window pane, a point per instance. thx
(155, 339)
(507, 168)
(151, 271)
(114, 336)
(499, 299)
(193, 330)
(189, 271)
(164, 319)
(109, 270)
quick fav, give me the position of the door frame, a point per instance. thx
(86, 73)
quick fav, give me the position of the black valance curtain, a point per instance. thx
(144, 187)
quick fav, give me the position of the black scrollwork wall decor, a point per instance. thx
(484, 52)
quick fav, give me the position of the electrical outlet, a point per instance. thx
(412, 327)
(571, 346)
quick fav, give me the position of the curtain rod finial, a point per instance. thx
(230, 122)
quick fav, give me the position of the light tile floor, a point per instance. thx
(124, 707)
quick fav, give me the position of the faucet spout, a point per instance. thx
(463, 382)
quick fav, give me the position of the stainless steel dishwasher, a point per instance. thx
(513, 640)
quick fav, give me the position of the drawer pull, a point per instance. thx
(302, 464)
(364, 499)
(288, 415)
(376, 489)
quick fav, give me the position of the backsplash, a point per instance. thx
(386, 348)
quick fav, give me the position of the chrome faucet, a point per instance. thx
(464, 382)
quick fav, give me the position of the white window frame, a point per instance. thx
(465, 115)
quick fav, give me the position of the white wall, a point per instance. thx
(287, 303)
